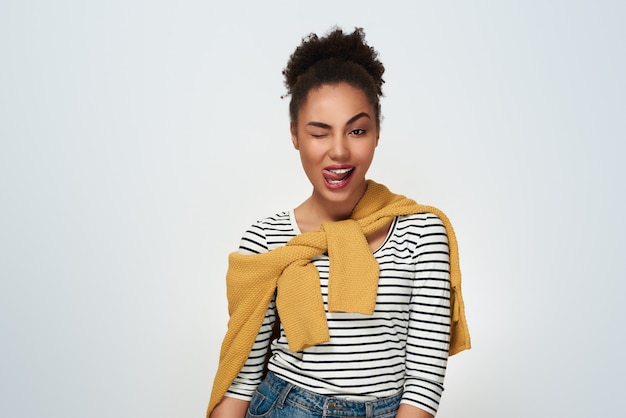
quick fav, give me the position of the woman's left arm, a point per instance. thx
(429, 321)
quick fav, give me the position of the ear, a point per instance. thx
(377, 135)
(294, 136)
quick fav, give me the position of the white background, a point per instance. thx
(140, 138)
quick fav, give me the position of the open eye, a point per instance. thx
(358, 132)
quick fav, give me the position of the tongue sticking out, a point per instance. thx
(336, 176)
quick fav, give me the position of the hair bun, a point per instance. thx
(335, 46)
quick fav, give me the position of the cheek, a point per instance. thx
(307, 156)
(366, 152)
(311, 150)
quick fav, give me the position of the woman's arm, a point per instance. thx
(410, 411)
(429, 319)
(254, 241)
(230, 408)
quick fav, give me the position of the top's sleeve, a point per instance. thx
(429, 320)
(243, 387)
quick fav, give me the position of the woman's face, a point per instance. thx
(336, 134)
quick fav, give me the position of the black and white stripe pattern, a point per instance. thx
(402, 346)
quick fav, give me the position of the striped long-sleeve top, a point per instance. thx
(403, 346)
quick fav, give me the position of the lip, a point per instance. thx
(337, 176)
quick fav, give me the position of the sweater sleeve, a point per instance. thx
(254, 241)
(429, 319)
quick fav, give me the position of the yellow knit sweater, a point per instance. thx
(251, 281)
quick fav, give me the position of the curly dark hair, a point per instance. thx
(334, 58)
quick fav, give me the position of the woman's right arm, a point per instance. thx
(254, 241)
(230, 408)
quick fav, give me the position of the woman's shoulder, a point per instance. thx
(420, 226)
(279, 220)
(420, 220)
(268, 233)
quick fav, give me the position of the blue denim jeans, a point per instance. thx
(276, 398)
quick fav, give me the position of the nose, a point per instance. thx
(339, 149)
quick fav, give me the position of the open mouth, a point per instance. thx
(338, 175)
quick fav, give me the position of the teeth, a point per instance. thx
(340, 171)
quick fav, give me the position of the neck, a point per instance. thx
(316, 210)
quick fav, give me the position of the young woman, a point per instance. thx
(350, 304)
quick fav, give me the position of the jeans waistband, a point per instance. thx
(336, 405)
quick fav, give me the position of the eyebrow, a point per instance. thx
(351, 120)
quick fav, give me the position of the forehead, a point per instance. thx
(335, 101)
